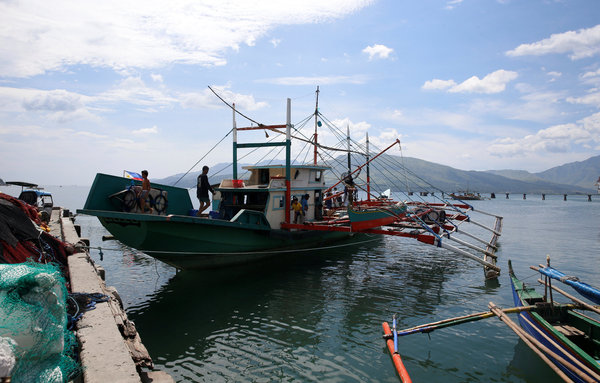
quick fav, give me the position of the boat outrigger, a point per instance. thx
(564, 337)
(252, 218)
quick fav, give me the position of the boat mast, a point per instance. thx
(316, 124)
(348, 141)
(368, 172)
(234, 145)
(288, 144)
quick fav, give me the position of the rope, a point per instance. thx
(245, 252)
(203, 157)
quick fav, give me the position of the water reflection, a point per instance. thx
(311, 317)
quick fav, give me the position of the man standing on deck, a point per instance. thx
(202, 189)
(304, 203)
(145, 191)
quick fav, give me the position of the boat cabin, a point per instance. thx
(264, 191)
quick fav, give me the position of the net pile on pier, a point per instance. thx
(33, 324)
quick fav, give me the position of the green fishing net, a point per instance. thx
(33, 324)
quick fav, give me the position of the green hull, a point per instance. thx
(189, 242)
(192, 243)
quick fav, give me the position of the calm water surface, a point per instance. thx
(317, 316)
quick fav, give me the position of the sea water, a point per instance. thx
(316, 317)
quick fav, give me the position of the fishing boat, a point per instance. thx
(34, 195)
(251, 218)
(572, 337)
(466, 196)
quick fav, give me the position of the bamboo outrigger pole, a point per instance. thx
(429, 327)
(539, 348)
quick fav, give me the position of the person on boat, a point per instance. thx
(304, 203)
(144, 192)
(349, 188)
(202, 189)
(337, 199)
(328, 204)
(297, 207)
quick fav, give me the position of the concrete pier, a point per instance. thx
(110, 347)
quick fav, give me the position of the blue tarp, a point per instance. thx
(582, 288)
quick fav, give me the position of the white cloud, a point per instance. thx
(579, 44)
(437, 84)
(36, 37)
(316, 80)
(145, 131)
(453, 3)
(555, 139)
(494, 82)
(593, 98)
(133, 90)
(275, 42)
(595, 73)
(156, 77)
(57, 105)
(207, 99)
(378, 51)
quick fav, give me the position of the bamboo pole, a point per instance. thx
(429, 327)
(539, 348)
(571, 297)
(575, 361)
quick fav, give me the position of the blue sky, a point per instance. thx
(90, 87)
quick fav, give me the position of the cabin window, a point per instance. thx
(263, 176)
(315, 176)
(278, 203)
(233, 202)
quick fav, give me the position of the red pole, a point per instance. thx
(363, 165)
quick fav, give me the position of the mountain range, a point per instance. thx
(572, 178)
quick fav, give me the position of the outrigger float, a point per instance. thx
(564, 337)
(251, 218)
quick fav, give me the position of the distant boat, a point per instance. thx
(466, 196)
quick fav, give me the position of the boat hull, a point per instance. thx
(538, 327)
(196, 243)
(374, 216)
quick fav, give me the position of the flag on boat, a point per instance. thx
(132, 175)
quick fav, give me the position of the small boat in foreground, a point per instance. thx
(564, 337)
(572, 337)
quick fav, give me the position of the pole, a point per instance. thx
(363, 165)
(369, 173)
(234, 145)
(288, 143)
(316, 124)
(537, 347)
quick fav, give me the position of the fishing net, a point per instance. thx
(33, 324)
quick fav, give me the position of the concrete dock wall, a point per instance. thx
(111, 349)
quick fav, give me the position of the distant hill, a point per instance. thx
(583, 174)
(576, 177)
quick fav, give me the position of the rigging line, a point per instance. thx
(241, 158)
(203, 157)
(375, 238)
(235, 110)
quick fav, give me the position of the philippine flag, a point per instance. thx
(132, 175)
